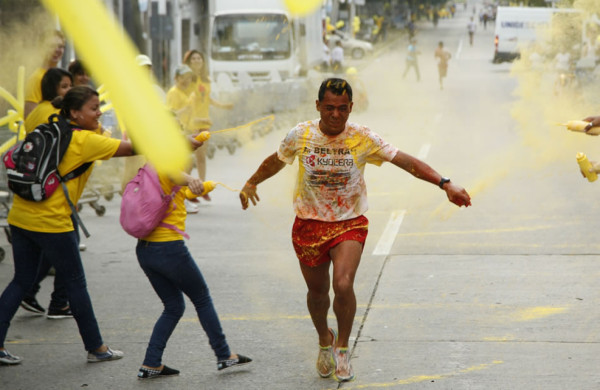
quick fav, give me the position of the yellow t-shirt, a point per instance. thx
(33, 89)
(39, 115)
(200, 98)
(176, 215)
(53, 215)
(176, 100)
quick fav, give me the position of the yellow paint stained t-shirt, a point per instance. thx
(175, 216)
(330, 185)
(53, 215)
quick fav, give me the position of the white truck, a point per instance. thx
(517, 27)
(261, 39)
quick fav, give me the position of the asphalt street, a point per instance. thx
(501, 295)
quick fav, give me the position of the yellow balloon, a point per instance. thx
(110, 56)
(302, 7)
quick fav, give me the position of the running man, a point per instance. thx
(442, 55)
(412, 60)
(329, 201)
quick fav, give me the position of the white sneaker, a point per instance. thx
(191, 208)
(110, 354)
(343, 369)
(7, 358)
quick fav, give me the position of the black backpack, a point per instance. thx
(31, 165)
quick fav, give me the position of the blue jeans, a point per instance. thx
(58, 298)
(173, 272)
(62, 251)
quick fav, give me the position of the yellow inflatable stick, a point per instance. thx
(108, 52)
(203, 136)
(580, 127)
(9, 98)
(302, 7)
(586, 167)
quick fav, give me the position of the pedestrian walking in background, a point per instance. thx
(412, 60)
(471, 27)
(330, 201)
(337, 58)
(442, 56)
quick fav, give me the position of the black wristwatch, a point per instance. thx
(443, 181)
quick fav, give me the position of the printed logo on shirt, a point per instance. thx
(331, 166)
(327, 179)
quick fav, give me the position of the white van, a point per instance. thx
(517, 27)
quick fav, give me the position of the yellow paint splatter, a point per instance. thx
(535, 313)
(424, 378)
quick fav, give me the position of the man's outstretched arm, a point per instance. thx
(267, 169)
(419, 169)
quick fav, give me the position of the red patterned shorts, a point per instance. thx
(314, 239)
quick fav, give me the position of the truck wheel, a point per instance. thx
(100, 211)
(358, 53)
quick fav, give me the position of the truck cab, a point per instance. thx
(262, 40)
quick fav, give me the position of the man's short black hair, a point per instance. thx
(336, 86)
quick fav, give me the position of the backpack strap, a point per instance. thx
(80, 170)
(168, 225)
(74, 210)
(72, 175)
(173, 227)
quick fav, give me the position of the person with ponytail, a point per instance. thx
(46, 227)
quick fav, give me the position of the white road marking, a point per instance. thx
(459, 49)
(384, 245)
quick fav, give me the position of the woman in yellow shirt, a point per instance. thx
(170, 268)
(201, 101)
(33, 92)
(178, 97)
(46, 228)
(56, 82)
(179, 102)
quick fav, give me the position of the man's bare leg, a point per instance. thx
(346, 258)
(317, 298)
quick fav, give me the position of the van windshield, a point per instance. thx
(251, 37)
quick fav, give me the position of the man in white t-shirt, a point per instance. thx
(471, 27)
(337, 58)
(330, 199)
